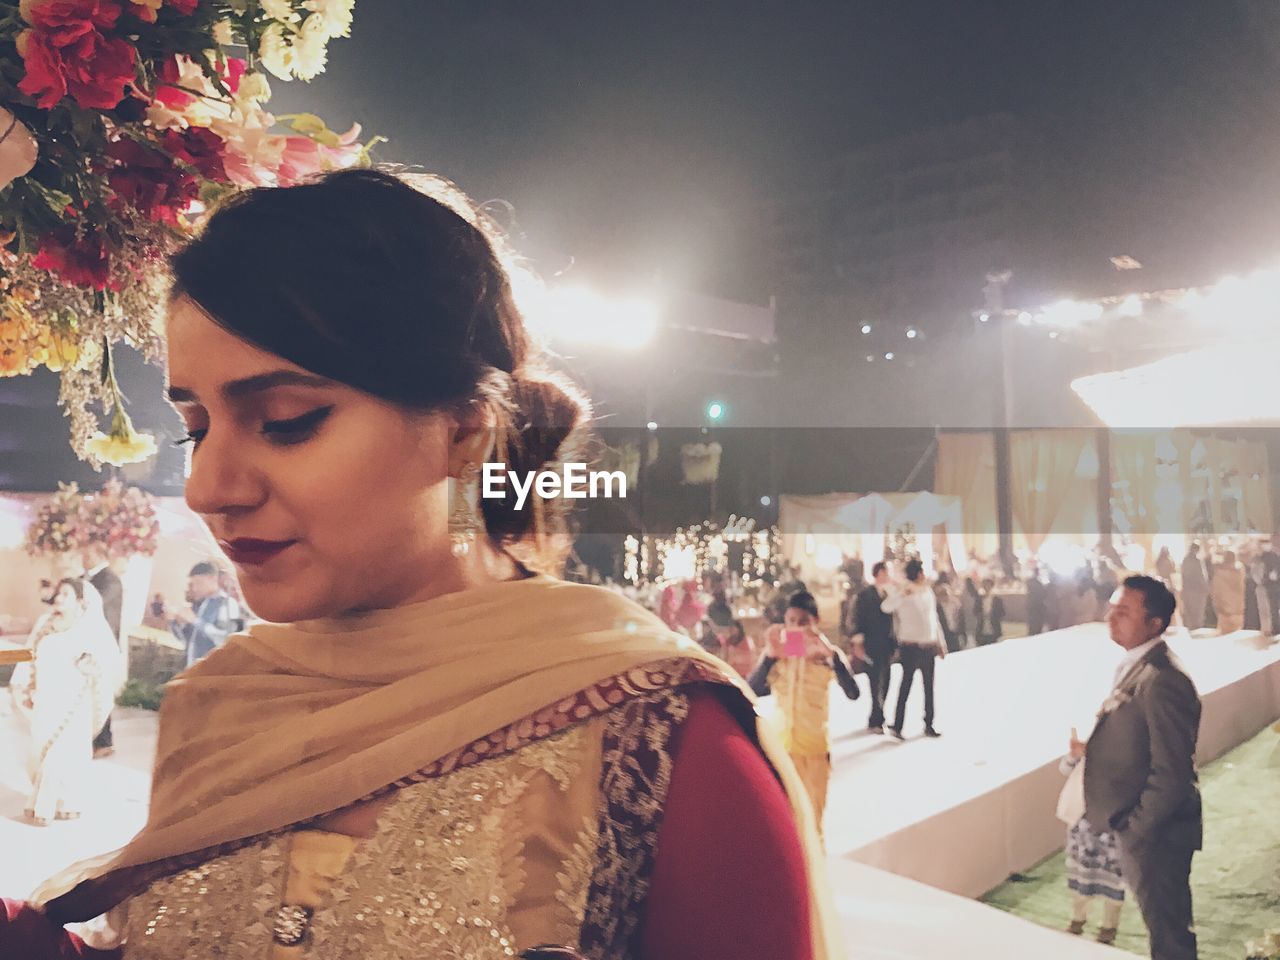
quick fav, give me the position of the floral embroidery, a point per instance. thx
(226, 907)
(635, 778)
(432, 881)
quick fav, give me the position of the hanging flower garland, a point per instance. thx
(120, 122)
(122, 519)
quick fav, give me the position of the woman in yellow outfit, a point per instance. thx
(799, 675)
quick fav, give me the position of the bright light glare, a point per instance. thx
(765, 501)
(911, 333)
(652, 425)
(715, 410)
(889, 355)
(1069, 313)
(1064, 559)
(1131, 306)
(866, 328)
(1024, 318)
(1253, 300)
(680, 563)
(1232, 385)
(584, 317)
(829, 556)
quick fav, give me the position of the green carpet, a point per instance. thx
(1235, 880)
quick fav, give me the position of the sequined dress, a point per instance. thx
(520, 839)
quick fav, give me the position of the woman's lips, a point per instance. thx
(252, 553)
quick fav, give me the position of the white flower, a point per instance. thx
(281, 10)
(254, 88)
(336, 15)
(222, 34)
(277, 52)
(309, 48)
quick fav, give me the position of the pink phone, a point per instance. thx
(793, 643)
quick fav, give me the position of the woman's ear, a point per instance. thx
(472, 438)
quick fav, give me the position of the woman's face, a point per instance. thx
(65, 602)
(326, 499)
(797, 619)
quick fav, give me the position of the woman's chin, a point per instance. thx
(277, 603)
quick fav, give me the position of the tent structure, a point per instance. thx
(817, 532)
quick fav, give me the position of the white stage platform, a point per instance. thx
(887, 917)
(964, 812)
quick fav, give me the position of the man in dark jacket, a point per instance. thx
(1140, 773)
(874, 642)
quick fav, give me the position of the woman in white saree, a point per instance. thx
(74, 677)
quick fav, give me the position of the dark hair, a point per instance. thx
(203, 569)
(1157, 599)
(393, 284)
(913, 569)
(76, 585)
(804, 600)
(878, 568)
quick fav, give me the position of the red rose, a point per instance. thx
(81, 261)
(149, 181)
(198, 147)
(97, 70)
(45, 80)
(66, 52)
(68, 20)
(184, 7)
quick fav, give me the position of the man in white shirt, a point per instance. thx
(920, 642)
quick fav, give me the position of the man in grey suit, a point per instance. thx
(1140, 774)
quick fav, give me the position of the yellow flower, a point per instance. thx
(123, 444)
(62, 352)
(14, 362)
(147, 9)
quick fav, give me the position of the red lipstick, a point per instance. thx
(252, 553)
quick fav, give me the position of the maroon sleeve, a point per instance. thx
(729, 880)
(27, 934)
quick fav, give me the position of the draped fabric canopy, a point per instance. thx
(1043, 466)
(1167, 485)
(818, 531)
(966, 468)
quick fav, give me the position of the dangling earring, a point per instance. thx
(464, 517)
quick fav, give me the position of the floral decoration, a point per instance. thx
(142, 113)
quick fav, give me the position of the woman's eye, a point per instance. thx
(296, 429)
(193, 437)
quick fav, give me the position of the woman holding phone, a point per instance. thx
(798, 667)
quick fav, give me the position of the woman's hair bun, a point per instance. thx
(547, 421)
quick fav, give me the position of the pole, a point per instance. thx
(1105, 529)
(1003, 401)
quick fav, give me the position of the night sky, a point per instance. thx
(630, 136)
(629, 143)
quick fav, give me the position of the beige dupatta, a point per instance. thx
(286, 723)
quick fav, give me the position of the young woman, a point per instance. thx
(74, 676)
(429, 749)
(799, 675)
